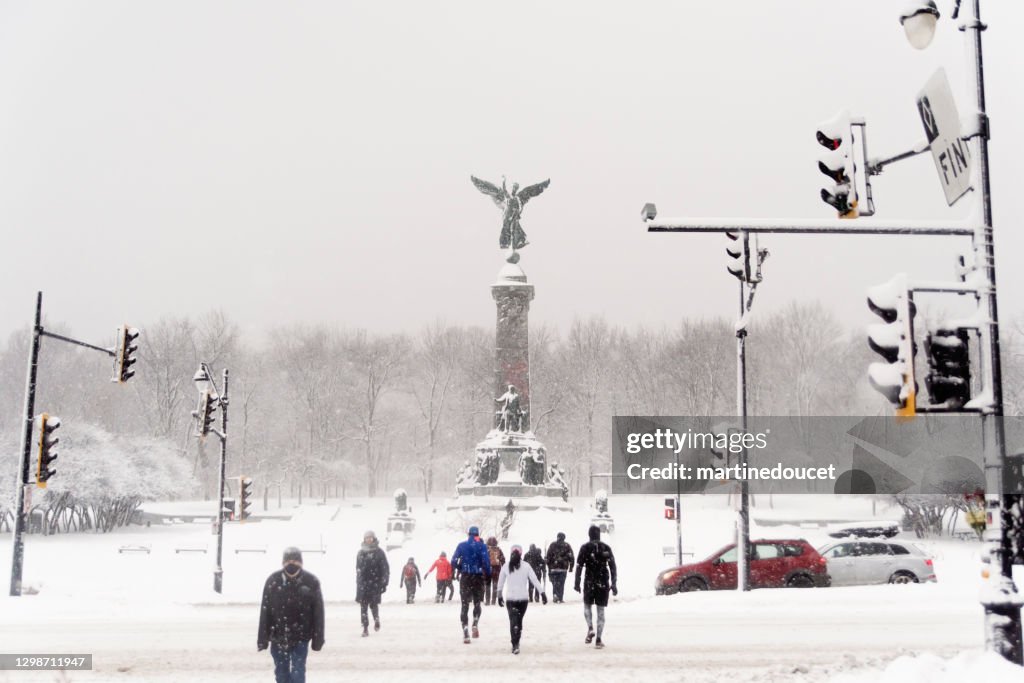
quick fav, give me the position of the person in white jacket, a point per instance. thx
(518, 575)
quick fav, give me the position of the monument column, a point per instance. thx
(512, 296)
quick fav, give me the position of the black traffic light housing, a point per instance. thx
(838, 165)
(949, 367)
(48, 424)
(204, 413)
(244, 497)
(124, 353)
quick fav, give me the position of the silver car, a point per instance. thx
(853, 563)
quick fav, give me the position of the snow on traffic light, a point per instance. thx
(894, 341)
(949, 367)
(838, 164)
(124, 353)
(48, 424)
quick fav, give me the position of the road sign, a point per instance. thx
(941, 122)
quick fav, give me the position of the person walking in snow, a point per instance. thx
(444, 577)
(536, 561)
(519, 577)
(372, 573)
(291, 615)
(560, 563)
(497, 560)
(473, 566)
(410, 579)
(597, 559)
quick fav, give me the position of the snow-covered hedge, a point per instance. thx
(101, 478)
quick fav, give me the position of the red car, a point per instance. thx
(773, 564)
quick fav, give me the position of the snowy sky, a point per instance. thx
(310, 162)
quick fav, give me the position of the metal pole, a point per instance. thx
(679, 520)
(21, 481)
(218, 572)
(1002, 604)
(743, 556)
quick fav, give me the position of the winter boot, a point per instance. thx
(366, 632)
(599, 645)
(590, 637)
(515, 649)
(376, 624)
(465, 635)
(476, 631)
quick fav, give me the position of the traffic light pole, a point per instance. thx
(743, 573)
(1002, 602)
(218, 572)
(21, 481)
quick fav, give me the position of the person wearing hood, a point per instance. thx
(519, 577)
(497, 559)
(536, 561)
(597, 559)
(411, 580)
(472, 564)
(444, 577)
(372, 574)
(560, 563)
(291, 615)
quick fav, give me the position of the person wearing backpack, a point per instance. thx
(497, 559)
(410, 578)
(473, 566)
(560, 562)
(444, 577)
(597, 559)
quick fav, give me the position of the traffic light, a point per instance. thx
(244, 497)
(48, 424)
(949, 367)
(838, 165)
(123, 353)
(670, 508)
(894, 341)
(204, 413)
(739, 256)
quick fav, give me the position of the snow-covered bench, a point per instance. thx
(190, 549)
(134, 549)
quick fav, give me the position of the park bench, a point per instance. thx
(134, 549)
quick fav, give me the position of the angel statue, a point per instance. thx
(511, 205)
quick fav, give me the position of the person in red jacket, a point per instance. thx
(444, 577)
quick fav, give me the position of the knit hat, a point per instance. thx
(473, 531)
(517, 548)
(444, 554)
(594, 532)
(292, 553)
(561, 536)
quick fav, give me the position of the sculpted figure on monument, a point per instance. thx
(511, 205)
(510, 415)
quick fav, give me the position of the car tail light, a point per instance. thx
(928, 561)
(822, 561)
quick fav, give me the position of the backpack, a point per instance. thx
(494, 554)
(409, 572)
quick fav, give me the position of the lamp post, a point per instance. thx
(210, 396)
(1000, 599)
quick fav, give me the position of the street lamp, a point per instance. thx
(1001, 600)
(208, 390)
(919, 19)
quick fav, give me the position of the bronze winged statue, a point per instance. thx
(511, 205)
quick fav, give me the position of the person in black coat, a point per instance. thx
(291, 615)
(597, 559)
(372, 573)
(536, 562)
(560, 562)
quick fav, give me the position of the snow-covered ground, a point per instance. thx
(154, 617)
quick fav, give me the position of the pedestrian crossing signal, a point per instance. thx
(670, 508)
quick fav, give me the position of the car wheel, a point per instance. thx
(800, 581)
(692, 584)
(903, 577)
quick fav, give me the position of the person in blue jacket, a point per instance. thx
(472, 564)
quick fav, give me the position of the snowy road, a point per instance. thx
(762, 636)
